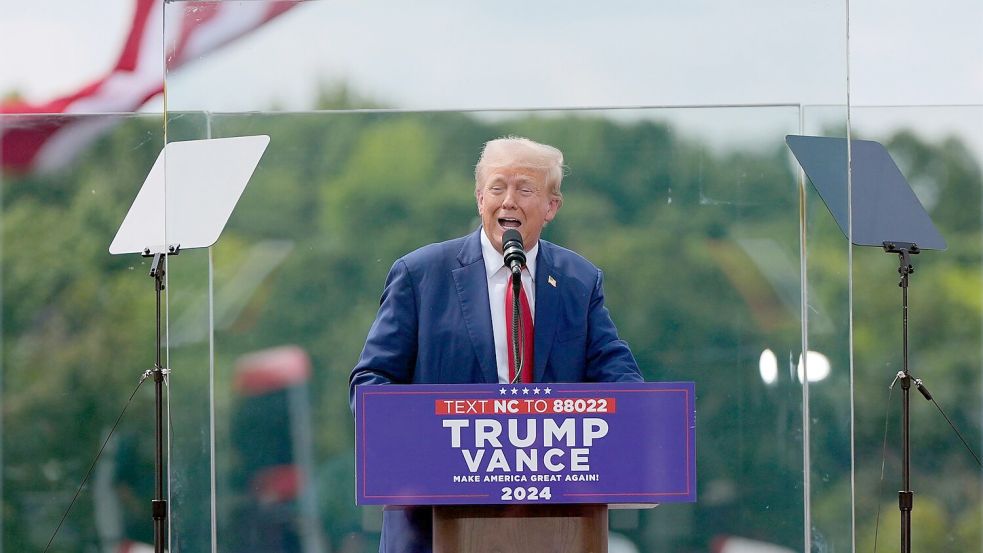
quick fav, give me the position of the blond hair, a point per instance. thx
(516, 151)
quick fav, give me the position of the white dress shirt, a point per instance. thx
(498, 278)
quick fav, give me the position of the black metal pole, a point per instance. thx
(906, 497)
(159, 504)
(516, 282)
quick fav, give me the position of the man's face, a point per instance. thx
(515, 197)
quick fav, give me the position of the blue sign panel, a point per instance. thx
(529, 443)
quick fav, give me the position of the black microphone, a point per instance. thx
(515, 255)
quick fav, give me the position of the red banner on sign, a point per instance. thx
(551, 406)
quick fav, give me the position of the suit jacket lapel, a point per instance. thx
(547, 300)
(472, 293)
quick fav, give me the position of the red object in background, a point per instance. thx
(265, 380)
(271, 369)
(737, 544)
(48, 143)
(277, 484)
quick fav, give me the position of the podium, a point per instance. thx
(529, 467)
(543, 528)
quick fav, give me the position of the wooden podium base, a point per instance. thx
(520, 529)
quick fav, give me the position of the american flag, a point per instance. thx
(39, 142)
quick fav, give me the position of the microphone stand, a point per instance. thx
(516, 280)
(515, 259)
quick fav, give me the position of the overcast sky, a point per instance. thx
(441, 54)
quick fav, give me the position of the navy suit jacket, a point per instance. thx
(434, 327)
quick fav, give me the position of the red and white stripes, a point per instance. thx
(45, 139)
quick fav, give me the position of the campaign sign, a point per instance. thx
(527, 443)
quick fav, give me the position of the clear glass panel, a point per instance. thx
(189, 360)
(925, 104)
(698, 215)
(719, 228)
(825, 373)
(77, 332)
(939, 150)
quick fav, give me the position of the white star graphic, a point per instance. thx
(515, 391)
(535, 391)
(547, 390)
(501, 391)
(525, 391)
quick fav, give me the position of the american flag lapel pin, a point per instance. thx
(551, 281)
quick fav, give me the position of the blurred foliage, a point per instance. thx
(701, 252)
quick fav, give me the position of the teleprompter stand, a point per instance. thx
(184, 203)
(906, 496)
(877, 209)
(158, 372)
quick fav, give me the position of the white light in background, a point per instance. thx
(818, 366)
(768, 366)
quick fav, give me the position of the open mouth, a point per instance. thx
(509, 222)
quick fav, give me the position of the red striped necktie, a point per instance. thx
(525, 333)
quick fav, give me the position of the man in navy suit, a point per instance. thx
(442, 314)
